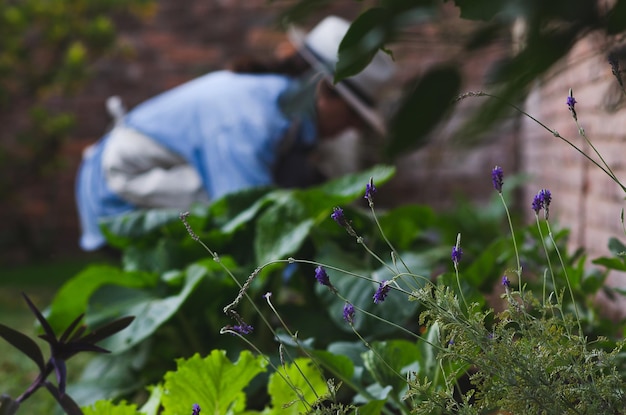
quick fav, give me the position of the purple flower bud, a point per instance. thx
(322, 277)
(457, 254)
(381, 292)
(370, 190)
(542, 200)
(243, 328)
(338, 217)
(497, 178)
(196, 409)
(348, 313)
(506, 282)
(571, 102)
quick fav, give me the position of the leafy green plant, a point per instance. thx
(71, 342)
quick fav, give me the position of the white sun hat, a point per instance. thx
(364, 91)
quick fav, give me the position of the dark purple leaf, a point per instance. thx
(40, 317)
(68, 331)
(24, 344)
(67, 403)
(107, 330)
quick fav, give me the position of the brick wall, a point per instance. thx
(584, 198)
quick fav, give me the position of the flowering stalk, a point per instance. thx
(551, 131)
(457, 254)
(497, 177)
(581, 131)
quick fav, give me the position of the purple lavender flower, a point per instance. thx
(506, 282)
(381, 292)
(571, 102)
(195, 409)
(457, 254)
(542, 200)
(243, 328)
(537, 203)
(547, 198)
(338, 217)
(348, 313)
(322, 277)
(497, 178)
(370, 190)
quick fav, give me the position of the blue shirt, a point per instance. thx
(227, 125)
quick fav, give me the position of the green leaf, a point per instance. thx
(24, 344)
(295, 387)
(149, 310)
(109, 408)
(121, 231)
(213, 382)
(353, 185)
(389, 361)
(617, 248)
(610, 263)
(340, 366)
(281, 230)
(248, 214)
(423, 108)
(72, 298)
(402, 225)
(366, 35)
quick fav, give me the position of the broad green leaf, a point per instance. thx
(295, 387)
(340, 366)
(111, 375)
(402, 225)
(353, 185)
(72, 298)
(121, 230)
(366, 35)
(610, 263)
(281, 230)
(483, 271)
(109, 408)
(213, 382)
(248, 214)
(423, 108)
(149, 310)
(388, 361)
(225, 209)
(23, 343)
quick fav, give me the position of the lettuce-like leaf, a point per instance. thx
(213, 382)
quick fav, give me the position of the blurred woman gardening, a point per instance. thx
(253, 125)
